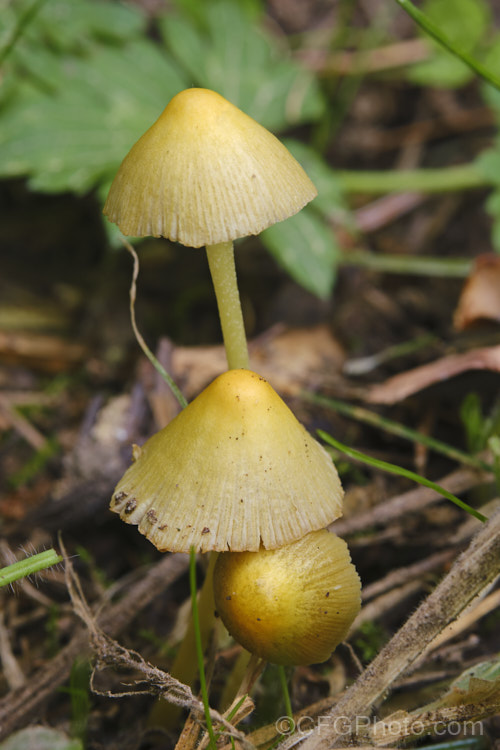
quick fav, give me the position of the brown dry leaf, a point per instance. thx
(290, 359)
(41, 351)
(406, 383)
(480, 296)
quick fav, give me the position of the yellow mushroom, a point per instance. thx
(233, 471)
(291, 605)
(205, 173)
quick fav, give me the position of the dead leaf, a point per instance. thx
(405, 384)
(41, 351)
(480, 296)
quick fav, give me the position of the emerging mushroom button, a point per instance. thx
(235, 470)
(206, 173)
(291, 605)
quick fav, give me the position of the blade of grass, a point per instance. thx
(418, 265)
(400, 471)
(199, 648)
(395, 428)
(435, 32)
(29, 566)
(286, 694)
(424, 180)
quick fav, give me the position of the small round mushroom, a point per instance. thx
(233, 471)
(205, 173)
(291, 605)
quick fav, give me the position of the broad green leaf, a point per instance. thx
(465, 23)
(69, 25)
(330, 200)
(195, 11)
(488, 163)
(306, 248)
(183, 42)
(78, 136)
(40, 738)
(442, 70)
(227, 53)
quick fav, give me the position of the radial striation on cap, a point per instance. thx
(233, 471)
(206, 173)
(291, 605)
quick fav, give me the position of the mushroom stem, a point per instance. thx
(223, 271)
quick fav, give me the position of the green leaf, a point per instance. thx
(195, 11)
(488, 163)
(69, 25)
(306, 248)
(492, 62)
(227, 53)
(79, 136)
(40, 738)
(330, 200)
(478, 684)
(493, 208)
(465, 23)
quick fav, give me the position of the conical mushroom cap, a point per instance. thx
(206, 173)
(234, 470)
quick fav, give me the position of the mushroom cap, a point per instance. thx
(291, 605)
(205, 173)
(234, 470)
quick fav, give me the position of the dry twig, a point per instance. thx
(21, 706)
(154, 681)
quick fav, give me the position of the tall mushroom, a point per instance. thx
(205, 173)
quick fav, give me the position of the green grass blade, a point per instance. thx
(28, 566)
(435, 32)
(199, 648)
(286, 694)
(395, 428)
(400, 471)
(424, 180)
(416, 265)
